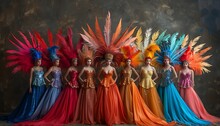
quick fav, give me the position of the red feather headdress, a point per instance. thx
(21, 59)
(194, 55)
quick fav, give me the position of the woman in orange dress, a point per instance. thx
(148, 91)
(135, 108)
(109, 107)
(87, 96)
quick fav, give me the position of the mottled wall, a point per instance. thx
(194, 17)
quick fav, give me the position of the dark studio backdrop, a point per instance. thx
(193, 17)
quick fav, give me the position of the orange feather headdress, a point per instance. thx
(132, 53)
(104, 43)
(194, 55)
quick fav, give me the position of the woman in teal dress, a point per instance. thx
(175, 109)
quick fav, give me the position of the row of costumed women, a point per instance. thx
(87, 92)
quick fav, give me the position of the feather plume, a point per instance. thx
(154, 37)
(139, 39)
(147, 37)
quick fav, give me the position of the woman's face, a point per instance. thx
(147, 61)
(166, 61)
(88, 62)
(109, 62)
(185, 64)
(38, 62)
(74, 62)
(128, 62)
(57, 62)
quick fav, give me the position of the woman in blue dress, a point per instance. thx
(175, 109)
(33, 94)
(53, 90)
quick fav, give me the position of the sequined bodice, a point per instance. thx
(74, 78)
(185, 80)
(56, 81)
(146, 79)
(89, 79)
(38, 78)
(126, 77)
(166, 78)
(107, 78)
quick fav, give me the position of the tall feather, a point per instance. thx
(147, 37)
(139, 39)
(107, 29)
(117, 32)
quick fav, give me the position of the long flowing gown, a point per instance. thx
(30, 100)
(109, 107)
(63, 110)
(175, 109)
(49, 96)
(86, 103)
(149, 93)
(136, 110)
(192, 99)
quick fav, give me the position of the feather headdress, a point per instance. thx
(68, 52)
(44, 47)
(194, 55)
(85, 53)
(148, 46)
(132, 53)
(104, 43)
(23, 58)
(170, 47)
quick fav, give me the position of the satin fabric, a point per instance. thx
(86, 103)
(136, 110)
(175, 109)
(192, 99)
(109, 107)
(30, 101)
(149, 93)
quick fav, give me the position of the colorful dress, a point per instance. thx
(175, 109)
(149, 93)
(63, 110)
(136, 110)
(192, 99)
(31, 100)
(109, 107)
(86, 103)
(49, 96)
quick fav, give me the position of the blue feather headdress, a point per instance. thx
(36, 55)
(52, 53)
(170, 47)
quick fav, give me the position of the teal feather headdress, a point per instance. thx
(170, 47)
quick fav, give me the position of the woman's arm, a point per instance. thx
(155, 73)
(192, 73)
(66, 75)
(174, 71)
(80, 75)
(47, 73)
(116, 75)
(137, 75)
(30, 79)
(99, 74)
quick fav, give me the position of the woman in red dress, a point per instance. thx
(87, 96)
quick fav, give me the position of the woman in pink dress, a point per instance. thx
(193, 61)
